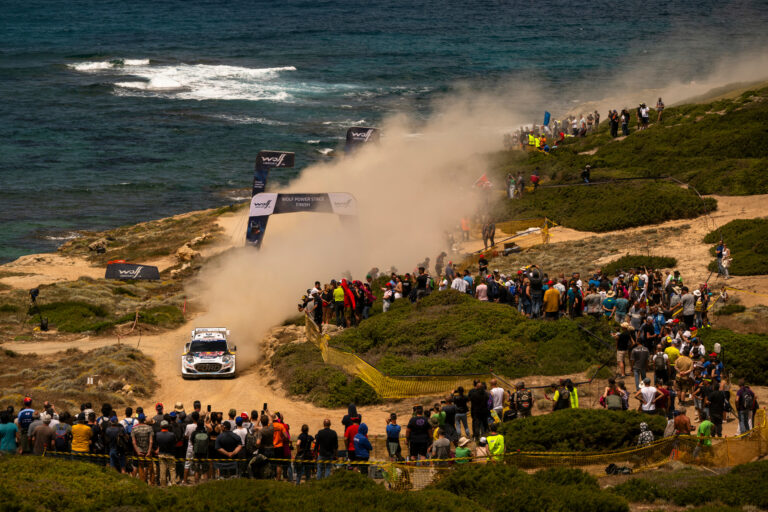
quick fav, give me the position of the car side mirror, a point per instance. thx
(186, 348)
(234, 348)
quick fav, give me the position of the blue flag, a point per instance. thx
(546, 118)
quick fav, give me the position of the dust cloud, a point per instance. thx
(411, 187)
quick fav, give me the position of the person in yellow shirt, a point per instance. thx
(81, 435)
(495, 444)
(551, 302)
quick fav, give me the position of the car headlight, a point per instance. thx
(226, 359)
(190, 359)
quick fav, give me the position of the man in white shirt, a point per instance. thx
(459, 284)
(497, 396)
(648, 395)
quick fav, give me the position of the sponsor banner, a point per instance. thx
(343, 203)
(256, 228)
(262, 204)
(360, 135)
(274, 159)
(294, 203)
(265, 161)
(132, 271)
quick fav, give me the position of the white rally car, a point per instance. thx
(209, 354)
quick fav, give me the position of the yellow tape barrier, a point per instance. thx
(723, 452)
(386, 386)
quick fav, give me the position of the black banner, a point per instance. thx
(125, 271)
(360, 135)
(267, 160)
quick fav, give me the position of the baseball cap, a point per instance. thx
(113, 419)
(27, 400)
(158, 406)
(164, 423)
(244, 415)
(238, 421)
(173, 414)
(142, 416)
(713, 354)
(483, 441)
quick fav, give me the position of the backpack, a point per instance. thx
(61, 442)
(124, 442)
(614, 403)
(250, 442)
(129, 426)
(524, 402)
(659, 363)
(509, 415)
(564, 399)
(200, 444)
(748, 400)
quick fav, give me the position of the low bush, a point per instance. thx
(450, 333)
(629, 261)
(36, 483)
(164, 316)
(744, 485)
(61, 378)
(747, 243)
(300, 366)
(608, 207)
(731, 309)
(579, 430)
(501, 487)
(745, 355)
(73, 316)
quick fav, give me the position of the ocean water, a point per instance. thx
(117, 112)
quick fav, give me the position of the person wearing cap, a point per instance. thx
(142, 438)
(648, 396)
(41, 437)
(23, 421)
(623, 342)
(158, 417)
(114, 436)
(240, 430)
(609, 304)
(713, 368)
(165, 450)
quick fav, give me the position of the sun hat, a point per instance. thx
(178, 406)
(610, 294)
(687, 334)
(625, 325)
(697, 293)
(463, 441)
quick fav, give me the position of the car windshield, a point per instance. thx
(208, 346)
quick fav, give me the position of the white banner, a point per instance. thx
(262, 204)
(343, 203)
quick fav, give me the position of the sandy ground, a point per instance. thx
(256, 385)
(691, 252)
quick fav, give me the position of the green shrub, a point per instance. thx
(300, 366)
(629, 261)
(579, 430)
(450, 333)
(744, 485)
(9, 308)
(731, 309)
(501, 487)
(73, 316)
(608, 207)
(745, 355)
(718, 147)
(165, 316)
(747, 242)
(36, 483)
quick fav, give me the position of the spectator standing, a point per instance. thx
(304, 457)
(746, 405)
(8, 433)
(478, 399)
(228, 445)
(41, 438)
(660, 110)
(327, 443)
(648, 396)
(638, 358)
(393, 437)
(462, 409)
(142, 437)
(418, 434)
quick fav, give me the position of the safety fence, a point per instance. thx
(398, 474)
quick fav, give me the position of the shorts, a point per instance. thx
(417, 449)
(621, 356)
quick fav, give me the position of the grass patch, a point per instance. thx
(9, 308)
(61, 378)
(746, 355)
(744, 485)
(572, 430)
(718, 147)
(300, 366)
(34, 483)
(629, 261)
(163, 316)
(608, 207)
(500, 487)
(748, 245)
(449, 333)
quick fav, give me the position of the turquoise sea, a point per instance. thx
(117, 112)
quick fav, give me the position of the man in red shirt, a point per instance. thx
(349, 437)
